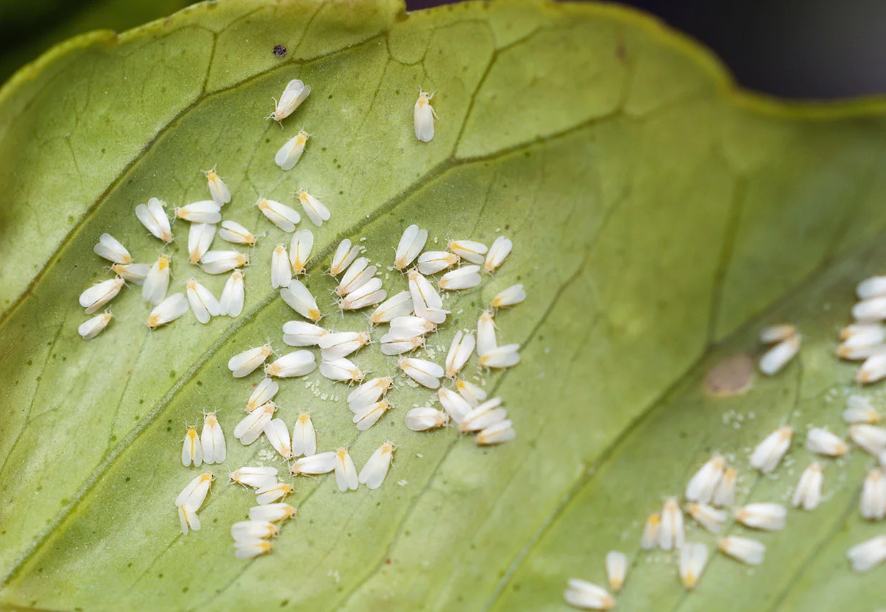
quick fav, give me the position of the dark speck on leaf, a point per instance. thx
(280, 51)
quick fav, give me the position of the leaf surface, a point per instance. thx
(659, 219)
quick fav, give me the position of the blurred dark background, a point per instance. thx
(788, 48)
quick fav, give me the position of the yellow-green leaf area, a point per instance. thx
(659, 218)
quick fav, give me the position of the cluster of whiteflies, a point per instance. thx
(865, 340)
(411, 316)
(710, 503)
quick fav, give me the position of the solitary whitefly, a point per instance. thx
(424, 115)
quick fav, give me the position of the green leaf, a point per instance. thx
(659, 219)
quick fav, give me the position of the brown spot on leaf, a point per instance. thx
(731, 376)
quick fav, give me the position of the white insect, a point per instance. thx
(300, 333)
(763, 516)
(336, 345)
(134, 272)
(253, 424)
(772, 449)
(369, 294)
(868, 555)
(778, 356)
(251, 549)
(423, 419)
(702, 485)
(587, 596)
(245, 363)
(367, 417)
(500, 432)
(424, 115)
(369, 393)
(707, 516)
(245, 531)
(168, 310)
(869, 438)
(100, 294)
(724, 496)
(671, 534)
(204, 211)
(486, 340)
(424, 297)
(509, 297)
(436, 261)
(497, 254)
(264, 392)
(404, 328)
(345, 471)
(873, 496)
(399, 305)
(465, 277)
(485, 415)
(872, 370)
(304, 438)
(203, 303)
(255, 477)
(278, 435)
(860, 410)
(616, 569)
(342, 370)
(376, 468)
(313, 465)
(219, 262)
(291, 365)
(344, 255)
(777, 333)
(423, 372)
(861, 337)
(192, 450)
(473, 394)
(189, 501)
(300, 300)
(94, 326)
(272, 493)
(746, 550)
(289, 154)
(454, 404)
(200, 237)
(693, 558)
(279, 214)
(111, 249)
(220, 193)
(874, 286)
(281, 269)
(314, 208)
(649, 539)
(300, 250)
(294, 94)
(157, 281)
(233, 294)
(501, 357)
(399, 347)
(474, 252)
(807, 495)
(822, 442)
(153, 217)
(235, 233)
(357, 275)
(272, 513)
(212, 439)
(411, 243)
(870, 310)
